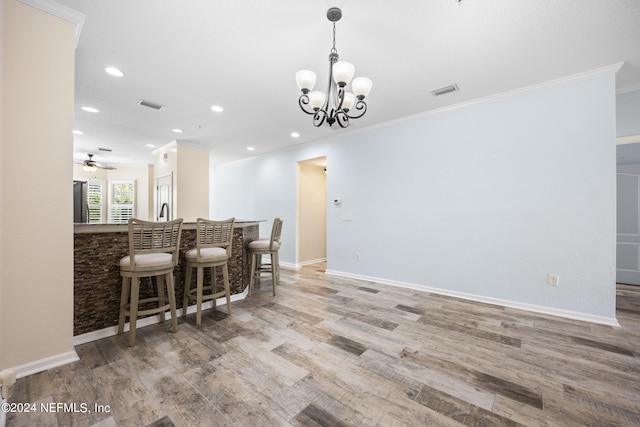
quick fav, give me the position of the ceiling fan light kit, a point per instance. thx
(335, 105)
(91, 165)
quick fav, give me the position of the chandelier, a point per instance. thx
(337, 105)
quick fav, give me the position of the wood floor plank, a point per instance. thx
(361, 335)
(239, 403)
(603, 403)
(178, 398)
(286, 373)
(556, 369)
(472, 331)
(34, 387)
(361, 317)
(347, 392)
(34, 418)
(436, 379)
(480, 379)
(126, 394)
(313, 415)
(261, 373)
(461, 411)
(322, 393)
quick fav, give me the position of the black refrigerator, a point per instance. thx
(80, 206)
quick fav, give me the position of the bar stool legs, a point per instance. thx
(130, 301)
(260, 247)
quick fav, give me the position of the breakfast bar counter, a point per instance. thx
(98, 249)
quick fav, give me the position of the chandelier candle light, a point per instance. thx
(335, 105)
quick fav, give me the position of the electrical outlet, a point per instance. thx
(357, 256)
(553, 280)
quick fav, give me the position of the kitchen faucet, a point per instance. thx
(164, 205)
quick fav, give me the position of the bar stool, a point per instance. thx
(270, 247)
(213, 249)
(153, 252)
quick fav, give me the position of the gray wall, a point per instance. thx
(481, 201)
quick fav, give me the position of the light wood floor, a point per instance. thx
(340, 352)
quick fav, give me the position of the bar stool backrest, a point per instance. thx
(147, 237)
(276, 232)
(214, 234)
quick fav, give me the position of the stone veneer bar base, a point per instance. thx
(97, 281)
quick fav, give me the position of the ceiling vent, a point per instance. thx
(108, 150)
(150, 104)
(446, 89)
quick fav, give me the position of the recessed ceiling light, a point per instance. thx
(217, 109)
(176, 130)
(150, 145)
(78, 132)
(90, 109)
(114, 71)
(295, 135)
(251, 148)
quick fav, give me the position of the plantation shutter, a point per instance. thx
(95, 200)
(121, 201)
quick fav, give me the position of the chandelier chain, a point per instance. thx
(333, 49)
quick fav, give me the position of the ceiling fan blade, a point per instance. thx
(92, 163)
(101, 166)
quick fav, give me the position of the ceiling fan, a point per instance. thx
(91, 165)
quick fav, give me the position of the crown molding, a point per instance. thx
(60, 11)
(562, 81)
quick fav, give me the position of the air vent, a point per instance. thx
(108, 150)
(150, 104)
(446, 89)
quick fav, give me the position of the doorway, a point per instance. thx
(311, 206)
(628, 211)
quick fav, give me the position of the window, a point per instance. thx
(95, 200)
(121, 201)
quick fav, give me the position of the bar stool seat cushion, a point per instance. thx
(207, 254)
(263, 245)
(148, 260)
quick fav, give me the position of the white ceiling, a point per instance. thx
(243, 55)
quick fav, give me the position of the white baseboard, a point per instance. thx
(313, 261)
(488, 300)
(45, 363)
(299, 265)
(152, 320)
(289, 265)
